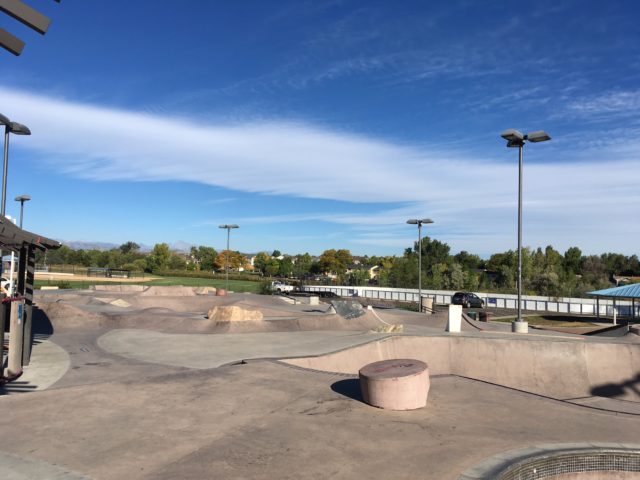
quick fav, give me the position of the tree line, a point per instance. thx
(544, 271)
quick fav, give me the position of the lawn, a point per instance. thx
(234, 285)
(563, 321)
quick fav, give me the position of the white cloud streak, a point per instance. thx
(471, 198)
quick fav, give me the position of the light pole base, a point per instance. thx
(520, 327)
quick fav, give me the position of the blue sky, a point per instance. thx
(317, 125)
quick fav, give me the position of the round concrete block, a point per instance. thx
(400, 384)
(221, 292)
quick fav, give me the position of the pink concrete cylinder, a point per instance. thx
(221, 292)
(399, 384)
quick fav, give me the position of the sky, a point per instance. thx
(327, 124)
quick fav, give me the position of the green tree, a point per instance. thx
(129, 247)
(159, 257)
(260, 262)
(285, 269)
(177, 262)
(272, 267)
(302, 265)
(335, 261)
(468, 261)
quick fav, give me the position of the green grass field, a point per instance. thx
(563, 321)
(234, 285)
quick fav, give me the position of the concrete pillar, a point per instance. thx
(3, 315)
(455, 318)
(16, 336)
(427, 305)
(520, 327)
(29, 280)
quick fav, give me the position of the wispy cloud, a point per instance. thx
(607, 105)
(471, 196)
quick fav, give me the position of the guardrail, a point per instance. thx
(580, 306)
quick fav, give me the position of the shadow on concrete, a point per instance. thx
(42, 325)
(349, 388)
(618, 389)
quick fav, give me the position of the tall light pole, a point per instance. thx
(415, 221)
(22, 199)
(228, 227)
(17, 129)
(516, 139)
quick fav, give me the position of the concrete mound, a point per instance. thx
(120, 303)
(168, 291)
(233, 313)
(205, 290)
(118, 288)
(63, 315)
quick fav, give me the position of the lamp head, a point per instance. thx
(413, 221)
(4, 120)
(23, 198)
(512, 135)
(228, 226)
(426, 220)
(538, 136)
(19, 129)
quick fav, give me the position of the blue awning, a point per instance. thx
(628, 291)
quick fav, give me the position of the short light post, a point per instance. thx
(228, 227)
(419, 222)
(22, 199)
(516, 139)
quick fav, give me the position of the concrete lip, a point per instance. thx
(397, 384)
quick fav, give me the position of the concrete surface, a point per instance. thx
(152, 401)
(49, 363)
(13, 467)
(208, 351)
(268, 421)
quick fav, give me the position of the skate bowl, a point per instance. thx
(588, 461)
(557, 368)
(188, 314)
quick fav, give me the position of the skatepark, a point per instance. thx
(178, 382)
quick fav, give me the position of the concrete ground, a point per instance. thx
(108, 400)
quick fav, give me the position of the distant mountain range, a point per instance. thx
(178, 246)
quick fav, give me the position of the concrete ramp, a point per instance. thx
(168, 291)
(348, 308)
(118, 288)
(562, 369)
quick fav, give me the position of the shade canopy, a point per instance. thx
(626, 292)
(14, 238)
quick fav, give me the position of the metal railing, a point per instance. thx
(579, 306)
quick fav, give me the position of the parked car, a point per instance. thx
(467, 300)
(7, 286)
(280, 287)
